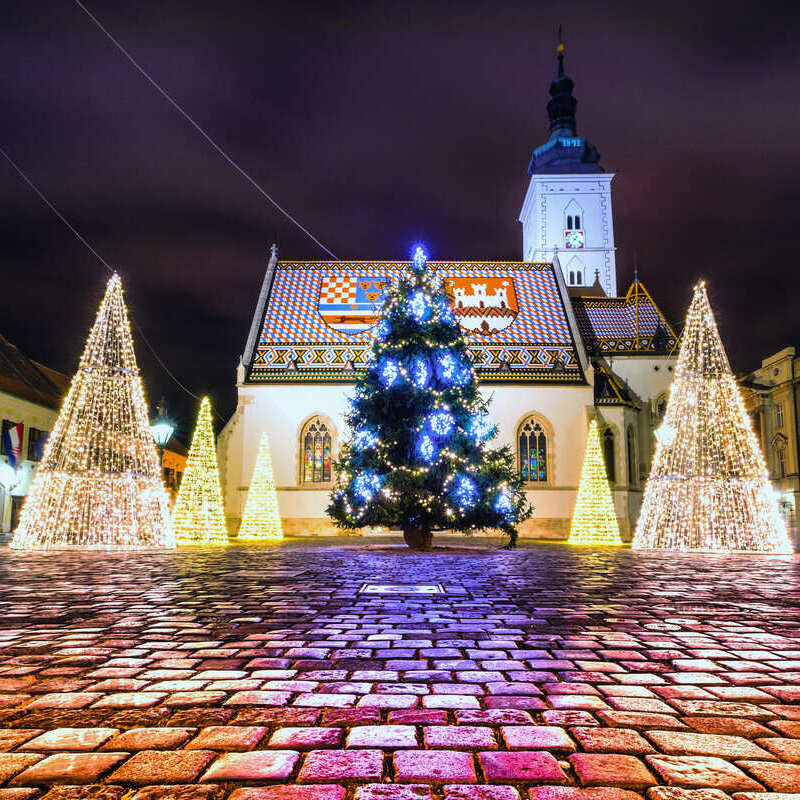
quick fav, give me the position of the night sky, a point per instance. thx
(377, 125)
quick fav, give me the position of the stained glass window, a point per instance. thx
(532, 452)
(317, 452)
(608, 455)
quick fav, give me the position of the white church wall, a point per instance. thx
(550, 198)
(647, 376)
(282, 410)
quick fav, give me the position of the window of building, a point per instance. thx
(631, 448)
(781, 454)
(532, 451)
(36, 440)
(778, 415)
(569, 222)
(608, 455)
(576, 277)
(317, 449)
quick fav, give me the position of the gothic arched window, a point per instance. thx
(631, 442)
(532, 442)
(608, 455)
(316, 447)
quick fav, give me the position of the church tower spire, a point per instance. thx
(568, 205)
(561, 108)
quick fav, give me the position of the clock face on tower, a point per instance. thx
(574, 240)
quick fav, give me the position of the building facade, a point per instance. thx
(30, 395)
(772, 396)
(551, 344)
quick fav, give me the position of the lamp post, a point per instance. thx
(162, 429)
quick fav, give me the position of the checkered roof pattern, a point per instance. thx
(292, 315)
(614, 318)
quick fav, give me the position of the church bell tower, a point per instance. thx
(567, 208)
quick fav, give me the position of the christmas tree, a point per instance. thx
(199, 516)
(99, 485)
(708, 487)
(419, 458)
(261, 518)
(594, 520)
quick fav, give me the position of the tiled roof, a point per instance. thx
(630, 324)
(22, 377)
(610, 389)
(317, 323)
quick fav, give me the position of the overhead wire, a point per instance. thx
(199, 128)
(82, 239)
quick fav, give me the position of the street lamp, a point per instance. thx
(162, 429)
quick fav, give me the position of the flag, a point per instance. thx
(38, 445)
(12, 443)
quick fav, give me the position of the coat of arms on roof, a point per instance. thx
(483, 305)
(351, 303)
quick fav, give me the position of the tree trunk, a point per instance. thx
(418, 538)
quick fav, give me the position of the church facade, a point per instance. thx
(552, 342)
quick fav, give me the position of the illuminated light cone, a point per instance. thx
(261, 520)
(199, 515)
(99, 485)
(708, 488)
(594, 519)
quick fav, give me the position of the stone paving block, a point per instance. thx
(318, 792)
(434, 766)
(255, 765)
(322, 766)
(136, 739)
(779, 777)
(78, 739)
(69, 768)
(455, 792)
(729, 747)
(728, 726)
(611, 740)
(784, 749)
(227, 738)
(571, 793)
(699, 772)
(90, 792)
(305, 738)
(20, 794)
(459, 737)
(518, 766)
(10, 739)
(382, 791)
(162, 766)
(537, 737)
(676, 793)
(384, 736)
(615, 770)
(177, 792)
(640, 721)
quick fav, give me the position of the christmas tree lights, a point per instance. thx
(594, 519)
(199, 516)
(99, 485)
(261, 519)
(419, 459)
(708, 488)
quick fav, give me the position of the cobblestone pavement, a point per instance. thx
(318, 672)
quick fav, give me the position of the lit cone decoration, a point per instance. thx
(261, 519)
(99, 485)
(199, 515)
(708, 488)
(594, 520)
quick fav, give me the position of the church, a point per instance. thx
(554, 344)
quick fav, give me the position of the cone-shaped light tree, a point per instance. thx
(199, 516)
(708, 487)
(594, 520)
(99, 484)
(419, 458)
(261, 519)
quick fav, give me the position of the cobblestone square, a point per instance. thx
(275, 673)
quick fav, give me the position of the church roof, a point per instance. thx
(629, 324)
(28, 379)
(314, 321)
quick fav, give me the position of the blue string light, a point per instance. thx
(441, 422)
(465, 492)
(389, 372)
(420, 372)
(366, 485)
(426, 448)
(364, 438)
(419, 306)
(480, 426)
(504, 504)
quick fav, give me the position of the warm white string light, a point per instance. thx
(99, 485)
(261, 519)
(199, 515)
(708, 487)
(594, 519)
